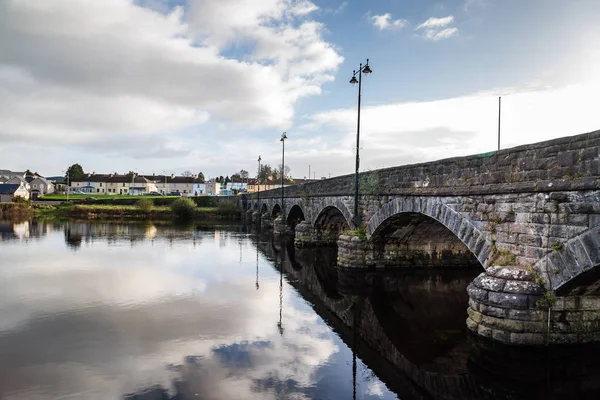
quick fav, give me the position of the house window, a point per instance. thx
(100, 184)
(97, 190)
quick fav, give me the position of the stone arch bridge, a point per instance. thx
(528, 216)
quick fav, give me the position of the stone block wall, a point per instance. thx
(509, 305)
(564, 164)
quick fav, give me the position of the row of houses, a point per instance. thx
(23, 184)
(167, 184)
(30, 185)
(138, 185)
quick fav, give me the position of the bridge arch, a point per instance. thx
(264, 209)
(575, 268)
(327, 205)
(275, 211)
(439, 217)
(295, 215)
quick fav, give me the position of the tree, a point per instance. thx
(130, 175)
(287, 171)
(243, 174)
(236, 177)
(201, 175)
(275, 174)
(227, 180)
(266, 173)
(187, 173)
(74, 173)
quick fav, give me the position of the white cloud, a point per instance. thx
(102, 73)
(405, 133)
(434, 35)
(385, 21)
(436, 22)
(434, 28)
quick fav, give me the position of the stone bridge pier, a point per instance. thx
(527, 217)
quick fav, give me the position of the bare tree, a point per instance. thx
(187, 173)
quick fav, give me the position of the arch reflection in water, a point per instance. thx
(408, 326)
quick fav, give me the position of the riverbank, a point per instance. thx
(16, 211)
(128, 212)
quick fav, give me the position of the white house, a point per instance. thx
(8, 192)
(40, 186)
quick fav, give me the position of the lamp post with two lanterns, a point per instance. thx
(361, 70)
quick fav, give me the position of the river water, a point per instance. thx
(147, 311)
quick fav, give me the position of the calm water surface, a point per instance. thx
(143, 311)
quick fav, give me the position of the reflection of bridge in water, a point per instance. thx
(408, 327)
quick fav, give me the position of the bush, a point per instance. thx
(145, 205)
(21, 200)
(204, 201)
(228, 207)
(183, 208)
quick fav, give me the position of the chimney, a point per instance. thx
(172, 176)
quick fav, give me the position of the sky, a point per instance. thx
(207, 86)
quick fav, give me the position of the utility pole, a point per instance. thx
(499, 115)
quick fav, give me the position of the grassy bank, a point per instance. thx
(131, 212)
(63, 197)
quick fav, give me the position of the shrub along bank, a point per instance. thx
(143, 209)
(21, 210)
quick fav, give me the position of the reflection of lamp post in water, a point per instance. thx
(355, 309)
(279, 325)
(257, 241)
(354, 318)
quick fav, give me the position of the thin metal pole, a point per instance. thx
(258, 190)
(282, 176)
(357, 219)
(499, 115)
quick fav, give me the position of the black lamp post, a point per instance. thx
(283, 138)
(258, 190)
(366, 70)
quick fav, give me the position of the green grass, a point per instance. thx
(109, 207)
(63, 197)
(116, 207)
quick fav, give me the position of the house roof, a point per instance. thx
(20, 178)
(8, 188)
(40, 179)
(171, 179)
